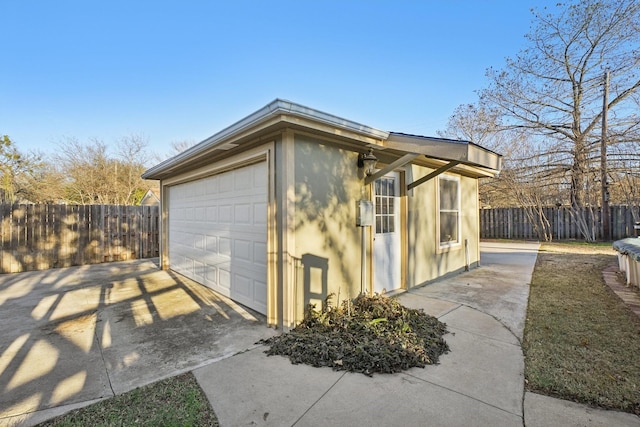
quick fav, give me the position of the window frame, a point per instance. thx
(385, 219)
(440, 211)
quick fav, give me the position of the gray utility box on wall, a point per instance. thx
(364, 213)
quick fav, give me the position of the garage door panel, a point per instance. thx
(260, 214)
(260, 253)
(198, 270)
(224, 280)
(212, 213)
(242, 286)
(260, 292)
(198, 242)
(186, 232)
(186, 253)
(225, 214)
(244, 179)
(211, 243)
(215, 259)
(184, 266)
(247, 290)
(242, 214)
(211, 275)
(225, 183)
(259, 175)
(224, 246)
(246, 267)
(218, 233)
(242, 250)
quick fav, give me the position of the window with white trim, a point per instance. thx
(385, 192)
(449, 210)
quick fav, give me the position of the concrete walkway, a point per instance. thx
(479, 383)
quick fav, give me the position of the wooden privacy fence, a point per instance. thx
(513, 223)
(39, 237)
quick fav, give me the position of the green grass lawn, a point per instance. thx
(176, 401)
(581, 342)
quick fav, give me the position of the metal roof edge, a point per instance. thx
(430, 138)
(274, 108)
(311, 113)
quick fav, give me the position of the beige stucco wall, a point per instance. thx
(327, 243)
(425, 260)
(327, 240)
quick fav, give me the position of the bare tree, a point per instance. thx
(480, 125)
(16, 169)
(133, 158)
(552, 91)
(95, 175)
(176, 147)
(44, 184)
(624, 176)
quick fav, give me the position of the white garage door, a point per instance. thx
(218, 233)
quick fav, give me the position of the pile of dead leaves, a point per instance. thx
(368, 334)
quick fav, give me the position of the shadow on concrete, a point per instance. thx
(78, 334)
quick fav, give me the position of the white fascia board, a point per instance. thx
(430, 147)
(483, 157)
(275, 108)
(446, 149)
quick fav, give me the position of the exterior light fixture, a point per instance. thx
(368, 162)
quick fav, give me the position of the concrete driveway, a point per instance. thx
(74, 335)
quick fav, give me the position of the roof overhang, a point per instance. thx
(281, 114)
(276, 115)
(463, 152)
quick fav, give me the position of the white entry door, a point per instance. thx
(386, 241)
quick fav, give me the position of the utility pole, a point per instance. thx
(606, 232)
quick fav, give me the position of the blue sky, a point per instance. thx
(182, 70)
